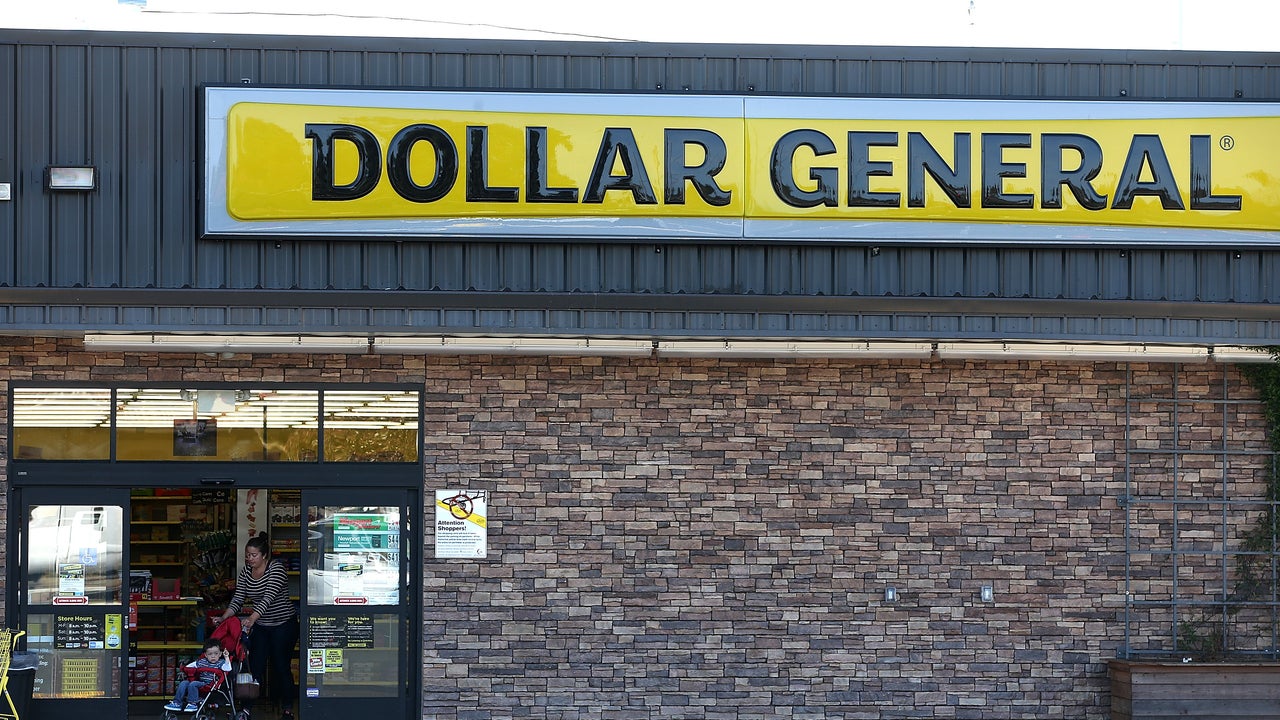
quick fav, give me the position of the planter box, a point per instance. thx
(1206, 691)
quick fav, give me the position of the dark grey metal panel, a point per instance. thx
(9, 167)
(128, 103)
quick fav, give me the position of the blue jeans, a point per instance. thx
(272, 645)
(189, 689)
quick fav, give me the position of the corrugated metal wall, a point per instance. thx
(128, 105)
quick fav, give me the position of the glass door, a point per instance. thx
(74, 599)
(356, 604)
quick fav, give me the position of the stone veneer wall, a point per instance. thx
(702, 538)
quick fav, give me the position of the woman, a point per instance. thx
(273, 622)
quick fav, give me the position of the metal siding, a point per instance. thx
(883, 270)
(782, 271)
(381, 68)
(312, 270)
(381, 263)
(745, 272)
(9, 163)
(484, 70)
(549, 72)
(415, 269)
(1021, 79)
(70, 120)
(1147, 275)
(886, 77)
(1270, 279)
(582, 265)
(1047, 274)
(1180, 276)
(986, 79)
(448, 70)
(819, 76)
(681, 269)
(584, 73)
(1217, 81)
(852, 77)
(614, 271)
(921, 77)
(617, 73)
(312, 67)
(447, 267)
(139, 181)
(849, 271)
(279, 67)
(1150, 81)
(33, 206)
(130, 109)
(651, 73)
(1117, 81)
(244, 64)
(278, 263)
(344, 268)
(1113, 281)
(177, 133)
(1085, 80)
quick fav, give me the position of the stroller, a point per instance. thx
(218, 698)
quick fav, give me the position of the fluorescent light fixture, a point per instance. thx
(228, 343)
(783, 349)
(63, 178)
(1241, 354)
(1052, 351)
(512, 346)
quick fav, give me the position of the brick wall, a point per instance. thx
(712, 539)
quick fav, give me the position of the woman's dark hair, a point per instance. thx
(259, 543)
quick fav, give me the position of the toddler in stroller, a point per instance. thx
(205, 675)
(210, 692)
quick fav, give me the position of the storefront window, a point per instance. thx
(370, 426)
(74, 554)
(61, 424)
(79, 656)
(354, 556)
(217, 425)
(353, 655)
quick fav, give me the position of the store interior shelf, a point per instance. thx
(160, 645)
(165, 603)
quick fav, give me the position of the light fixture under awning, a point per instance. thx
(228, 343)
(512, 346)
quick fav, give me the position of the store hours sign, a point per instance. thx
(461, 525)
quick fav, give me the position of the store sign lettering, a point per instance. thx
(396, 164)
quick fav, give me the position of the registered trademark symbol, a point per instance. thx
(1227, 142)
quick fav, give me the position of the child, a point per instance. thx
(211, 657)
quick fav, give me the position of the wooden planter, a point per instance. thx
(1206, 691)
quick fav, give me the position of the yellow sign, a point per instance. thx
(369, 163)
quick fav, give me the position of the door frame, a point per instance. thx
(70, 478)
(112, 705)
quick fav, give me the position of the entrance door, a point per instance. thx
(74, 595)
(356, 610)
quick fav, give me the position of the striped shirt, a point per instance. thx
(269, 594)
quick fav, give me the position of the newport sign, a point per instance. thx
(313, 162)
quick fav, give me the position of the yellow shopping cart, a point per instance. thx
(8, 642)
